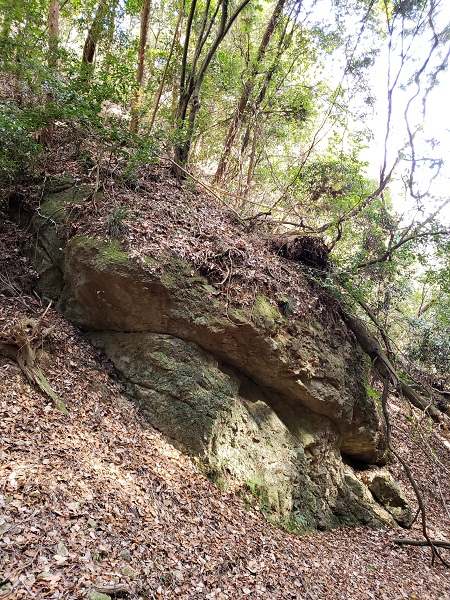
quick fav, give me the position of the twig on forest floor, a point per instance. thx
(407, 542)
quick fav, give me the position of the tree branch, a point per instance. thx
(384, 257)
(436, 543)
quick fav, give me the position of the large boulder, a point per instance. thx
(257, 397)
(104, 290)
(241, 432)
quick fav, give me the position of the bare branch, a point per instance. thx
(436, 543)
(384, 257)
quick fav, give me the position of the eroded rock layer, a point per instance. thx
(259, 398)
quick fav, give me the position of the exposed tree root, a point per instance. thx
(306, 249)
(389, 375)
(385, 368)
(20, 344)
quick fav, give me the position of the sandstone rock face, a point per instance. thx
(106, 291)
(259, 399)
(288, 456)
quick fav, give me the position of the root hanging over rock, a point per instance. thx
(308, 250)
(21, 343)
(384, 367)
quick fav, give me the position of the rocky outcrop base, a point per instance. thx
(240, 431)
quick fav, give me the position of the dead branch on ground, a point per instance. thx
(21, 343)
(406, 542)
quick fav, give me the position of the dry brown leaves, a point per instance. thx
(154, 217)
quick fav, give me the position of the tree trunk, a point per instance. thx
(260, 99)
(145, 13)
(104, 9)
(53, 33)
(93, 34)
(181, 148)
(190, 85)
(176, 37)
(247, 90)
(251, 164)
(46, 135)
(232, 132)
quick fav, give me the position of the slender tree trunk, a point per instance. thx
(234, 127)
(384, 367)
(257, 103)
(190, 84)
(252, 127)
(183, 145)
(93, 35)
(251, 163)
(104, 10)
(145, 14)
(46, 136)
(176, 37)
(53, 33)
(247, 90)
(110, 26)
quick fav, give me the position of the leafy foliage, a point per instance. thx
(430, 343)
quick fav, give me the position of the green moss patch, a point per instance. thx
(108, 253)
(54, 204)
(265, 312)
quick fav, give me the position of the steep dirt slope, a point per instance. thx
(98, 498)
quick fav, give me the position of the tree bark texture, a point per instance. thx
(175, 38)
(46, 134)
(145, 16)
(104, 10)
(53, 33)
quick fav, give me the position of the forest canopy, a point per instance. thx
(316, 118)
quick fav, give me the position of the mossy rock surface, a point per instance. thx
(265, 313)
(54, 204)
(107, 253)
